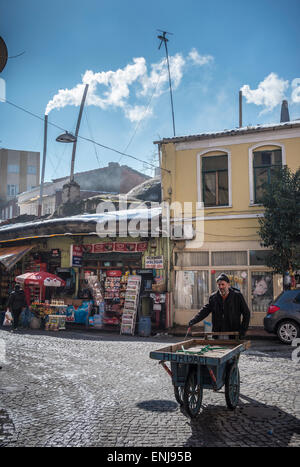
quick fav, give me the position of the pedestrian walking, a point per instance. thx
(229, 310)
(16, 303)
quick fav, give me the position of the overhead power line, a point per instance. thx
(82, 137)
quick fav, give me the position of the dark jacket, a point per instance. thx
(17, 300)
(226, 314)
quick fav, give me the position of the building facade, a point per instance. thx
(19, 171)
(111, 179)
(73, 249)
(220, 176)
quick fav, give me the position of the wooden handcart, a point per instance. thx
(198, 364)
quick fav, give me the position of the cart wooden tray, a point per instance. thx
(198, 364)
(214, 351)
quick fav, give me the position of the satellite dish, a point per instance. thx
(3, 54)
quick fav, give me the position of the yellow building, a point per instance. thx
(219, 176)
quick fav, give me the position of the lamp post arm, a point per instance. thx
(76, 132)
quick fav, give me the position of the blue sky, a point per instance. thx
(217, 47)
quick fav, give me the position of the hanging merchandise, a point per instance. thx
(113, 305)
(95, 288)
(131, 305)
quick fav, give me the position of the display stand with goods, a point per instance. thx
(113, 304)
(130, 305)
(37, 282)
(55, 323)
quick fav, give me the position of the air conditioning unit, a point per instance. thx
(182, 231)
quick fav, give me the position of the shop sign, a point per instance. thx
(55, 253)
(142, 246)
(125, 247)
(76, 255)
(87, 248)
(154, 262)
(120, 247)
(102, 247)
(114, 273)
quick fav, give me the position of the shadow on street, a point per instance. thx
(252, 423)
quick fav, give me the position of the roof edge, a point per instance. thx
(232, 132)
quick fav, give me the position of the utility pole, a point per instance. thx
(76, 132)
(164, 40)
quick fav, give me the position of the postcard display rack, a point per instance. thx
(130, 305)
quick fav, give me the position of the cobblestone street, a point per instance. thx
(97, 389)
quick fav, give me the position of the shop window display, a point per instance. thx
(191, 291)
(261, 290)
(234, 258)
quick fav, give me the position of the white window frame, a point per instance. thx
(251, 175)
(31, 172)
(13, 168)
(15, 190)
(199, 175)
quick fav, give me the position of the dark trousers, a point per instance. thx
(16, 316)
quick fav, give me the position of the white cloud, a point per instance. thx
(137, 112)
(270, 92)
(198, 59)
(116, 82)
(296, 91)
(117, 89)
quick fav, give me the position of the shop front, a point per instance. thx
(11, 259)
(111, 285)
(196, 271)
(113, 266)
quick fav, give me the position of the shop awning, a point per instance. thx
(10, 256)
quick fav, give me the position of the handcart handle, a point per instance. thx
(162, 363)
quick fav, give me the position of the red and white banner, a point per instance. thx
(119, 247)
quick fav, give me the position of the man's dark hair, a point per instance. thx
(223, 277)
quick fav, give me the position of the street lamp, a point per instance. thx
(66, 138)
(69, 138)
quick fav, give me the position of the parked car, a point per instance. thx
(283, 316)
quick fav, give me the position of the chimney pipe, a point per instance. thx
(284, 116)
(240, 109)
(40, 205)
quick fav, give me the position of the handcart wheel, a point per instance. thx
(232, 386)
(178, 392)
(192, 395)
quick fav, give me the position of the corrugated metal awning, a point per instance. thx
(10, 256)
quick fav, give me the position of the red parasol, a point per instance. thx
(40, 278)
